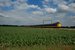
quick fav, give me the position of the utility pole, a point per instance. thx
(47, 20)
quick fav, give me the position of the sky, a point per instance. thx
(33, 12)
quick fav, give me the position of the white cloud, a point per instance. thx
(72, 7)
(70, 21)
(72, 17)
(1, 4)
(50, 10)
(63, 7)
(21, 6)
(37, 12)
(20, 14)
(26, 6)
(33, 6)
(59, 2)
(46, 0)
(3, 15)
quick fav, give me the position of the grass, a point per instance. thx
(24, 36)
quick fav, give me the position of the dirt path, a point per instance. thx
(40, 48)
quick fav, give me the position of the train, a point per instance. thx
(55, 25)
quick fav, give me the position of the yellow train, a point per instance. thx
(59, 24)
(56, 24)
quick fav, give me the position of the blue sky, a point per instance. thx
(30, 12)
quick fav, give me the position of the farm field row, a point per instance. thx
(25, 36)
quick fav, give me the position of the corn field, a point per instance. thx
(25, 36)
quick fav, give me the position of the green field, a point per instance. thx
(25, 36)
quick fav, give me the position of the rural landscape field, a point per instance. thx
(26, 38)
(37, 24)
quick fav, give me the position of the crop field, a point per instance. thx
(39, 38)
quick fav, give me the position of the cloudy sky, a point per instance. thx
(29, 12)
